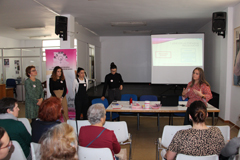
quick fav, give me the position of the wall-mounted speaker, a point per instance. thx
(61, 26)
(219, 22)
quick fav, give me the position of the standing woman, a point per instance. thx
(197, 90)
(80, 86)
(33, 93)
(58, 88)
(115, 83)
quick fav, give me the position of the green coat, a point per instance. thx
(33, 92)
(18, 132)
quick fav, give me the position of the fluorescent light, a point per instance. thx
(128, 24)
(30, 28)
(137, 32)
(42, 36)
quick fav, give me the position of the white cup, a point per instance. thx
(147, 104)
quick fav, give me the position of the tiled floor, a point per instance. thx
(143, 140)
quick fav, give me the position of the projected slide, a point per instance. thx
(174, 56)
(177, 52)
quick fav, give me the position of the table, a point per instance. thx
(169, 109)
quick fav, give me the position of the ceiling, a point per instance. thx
(161, 16)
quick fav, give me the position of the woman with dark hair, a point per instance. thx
(5, 143)
(197, 90)
(48, 116)
(80, 86)
(33, 93)
(115, 83)
(199, 140)
(58, 88)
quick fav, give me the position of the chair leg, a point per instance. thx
(130, 151)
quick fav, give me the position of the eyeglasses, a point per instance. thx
(33, 70)
(8, 146)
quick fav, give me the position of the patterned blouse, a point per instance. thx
(193, 97)
(197, 142)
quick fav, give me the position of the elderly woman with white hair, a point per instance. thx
(95, 135)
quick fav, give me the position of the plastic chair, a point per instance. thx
(121, 131)
(126, 97)
(167, 136)
(16, 152)
(225, 132)
(80, 124)
(187, 157)
(26, 123)
(35, 151)
(105, 103)
(11, 83)
(86, 153)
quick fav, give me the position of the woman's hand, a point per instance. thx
(199, 93)
(102, 98)
(184, 92)
(39, 101)
(121, 87)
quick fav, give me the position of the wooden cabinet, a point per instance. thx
(2, 91)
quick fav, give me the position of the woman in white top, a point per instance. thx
(80, 86)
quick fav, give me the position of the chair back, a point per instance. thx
(169, 131)
(225, 132)
(120, 129)
(80, 124)
(85, 153)
(26, 123)
(35, 151)
(99, 100)
(148, 98)
(187, 157)
(180, 99)
(16, 152)
(126, 97)
(11, 83)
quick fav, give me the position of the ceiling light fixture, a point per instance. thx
(30, 28)
(127, 24)
(137, 32)
(37, 37)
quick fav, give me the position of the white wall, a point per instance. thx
(219, 65)
(131, 54)
(85, 38)
(9, 43)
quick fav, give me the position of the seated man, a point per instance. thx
(15, 129)
(95, 135)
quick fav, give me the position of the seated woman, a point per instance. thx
(198, 140)
(59, 143)
(48, 116)
(5, 143)
(107, 139)
(15, 129)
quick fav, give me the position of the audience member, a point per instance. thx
(95, 135)
(197, 90)
(230, 150)
(198, 140)
(59, 143)
(33, 93)
(15, 129)
(5, 143)
(48, 116)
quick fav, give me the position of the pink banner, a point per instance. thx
(65, 58)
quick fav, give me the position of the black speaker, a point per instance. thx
(61, 26)
(219, 22)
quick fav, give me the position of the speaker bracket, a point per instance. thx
(221, 33)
